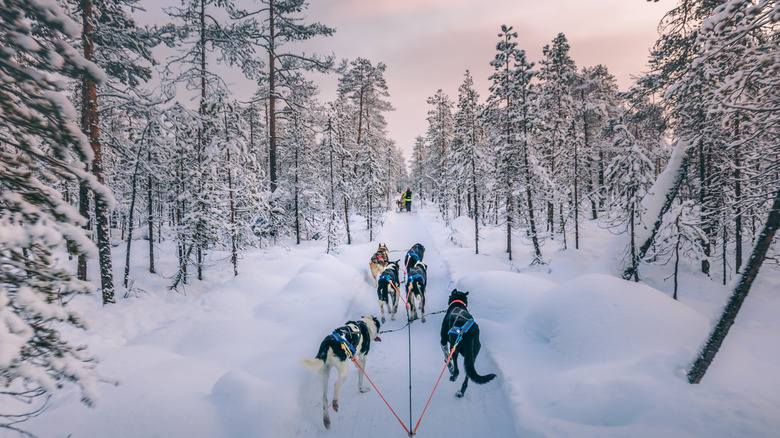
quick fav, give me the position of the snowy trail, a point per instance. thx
(483, 410)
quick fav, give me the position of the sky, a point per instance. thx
(428, 45)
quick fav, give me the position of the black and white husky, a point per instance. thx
(353, 339)
(414, 255)
(386, 290)
(459, 330)
(416, 280)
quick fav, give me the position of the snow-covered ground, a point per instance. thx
(578, 353)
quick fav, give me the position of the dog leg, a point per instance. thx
(342, 368)
(422, 306)
(324, 374)
(463, 388)
(361, 388)
(382, 309)
(453, 367)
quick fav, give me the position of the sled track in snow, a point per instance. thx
(481, 412)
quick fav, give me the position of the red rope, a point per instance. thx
(383, 398)
(399, 294)
(434, 390)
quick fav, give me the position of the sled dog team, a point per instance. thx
(352, 341)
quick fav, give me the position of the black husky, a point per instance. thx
(416, 280)
(459, 329)
(387, 289)
(414, 255)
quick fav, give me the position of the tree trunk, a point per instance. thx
(271, 97)
(707, 354)
(150, 212)
(667, 185)
(89, 123)
(705, 217)
(738, 212)
(233, 248)
(476, 205)
(81, 269)
(133, 193)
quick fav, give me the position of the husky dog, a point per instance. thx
(414, 255)
(378, 261)
(458, 323)
(351, 340)
(416, 280)
(387, 289)
(401, 204)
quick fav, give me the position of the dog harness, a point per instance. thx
(422, 279)
(464, 328)
(346, 345)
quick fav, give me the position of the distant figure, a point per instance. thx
(408, 199)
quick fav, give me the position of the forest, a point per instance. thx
(101, 154)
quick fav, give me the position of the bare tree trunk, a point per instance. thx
(133, 192)
(233, 248)
(738, 212)
(81, 269)
(150, 219)
(89, 123)
(271, 96)
(476, 204)
(707, 354)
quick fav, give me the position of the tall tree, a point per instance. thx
(558, 74)
(468, 156)
(41, 147)
(279, 24)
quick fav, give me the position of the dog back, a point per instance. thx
(418, 277)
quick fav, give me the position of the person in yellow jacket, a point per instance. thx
(408, 199)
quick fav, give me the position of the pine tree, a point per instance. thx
(558, 75)
(468, 156)
(441, 125)
(365, 87)
(42, 146)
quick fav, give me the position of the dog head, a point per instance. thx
(382, 248)
(372, 323)
(393, 266)
(457, 295)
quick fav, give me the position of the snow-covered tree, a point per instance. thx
(41, 146)
(558, 75)
(441, 125)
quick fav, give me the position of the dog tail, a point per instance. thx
(468, 362)
(312, 364)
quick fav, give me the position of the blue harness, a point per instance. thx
(462, 330)
(345, 344)
(422, 279)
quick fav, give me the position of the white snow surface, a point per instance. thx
(578, 353)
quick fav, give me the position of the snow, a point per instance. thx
(578, 353)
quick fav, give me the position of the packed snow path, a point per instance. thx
(481, 412)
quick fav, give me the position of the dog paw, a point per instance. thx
(365, 389)
(383, 319)
(459, 394)
(423, 320)
(335, 406)
(454, 377)
(392, 317)
(326, 422)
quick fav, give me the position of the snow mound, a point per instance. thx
(462, 234)
(597, 318)
(496, 293)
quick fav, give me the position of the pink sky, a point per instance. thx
(429, 44)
